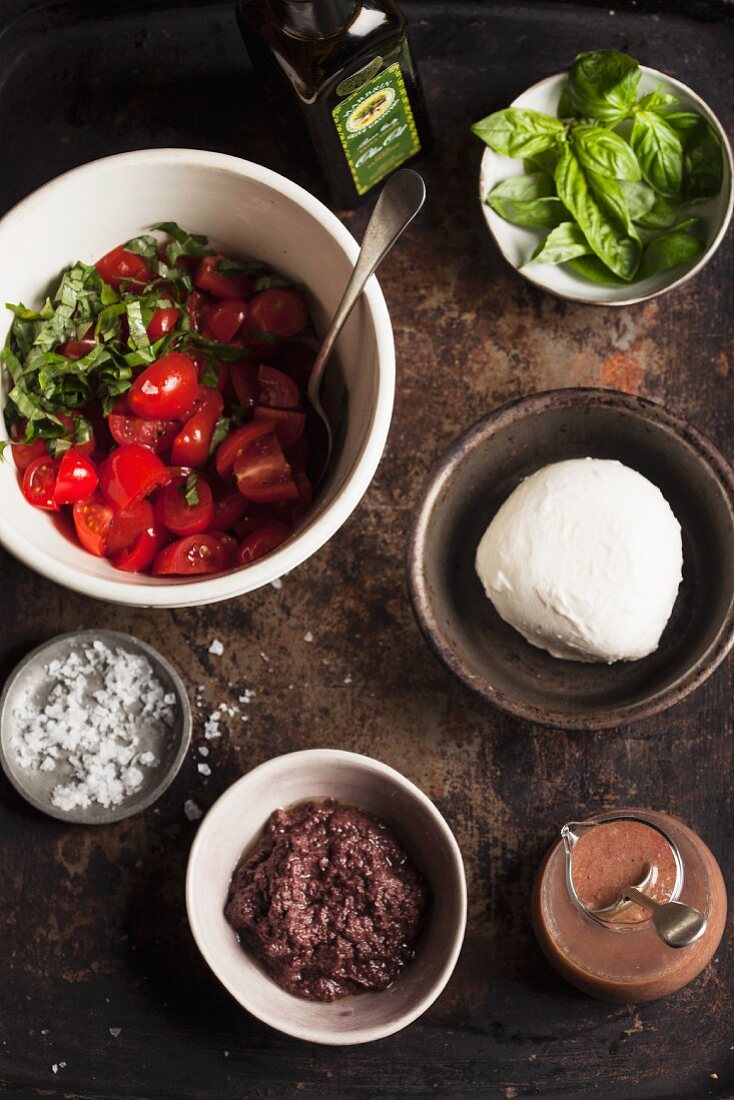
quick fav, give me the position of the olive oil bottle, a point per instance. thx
(340, 74)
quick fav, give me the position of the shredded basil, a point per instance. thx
(191, 491)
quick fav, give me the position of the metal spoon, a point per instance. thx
(677, 924)
(400, 200)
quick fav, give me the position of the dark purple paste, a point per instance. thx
(329, 902)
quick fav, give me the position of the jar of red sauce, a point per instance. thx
(612, 951)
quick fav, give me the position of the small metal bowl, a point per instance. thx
(36, 786)
(478, 473)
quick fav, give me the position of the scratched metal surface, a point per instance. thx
(94, 929)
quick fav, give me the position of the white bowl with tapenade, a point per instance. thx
(321, 858)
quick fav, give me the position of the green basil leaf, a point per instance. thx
(190, 490)
(519, 133)
(145, 246)
(545, 161)
(681, 121)
(605, 152)
(609, 241)
(610, 197)
(563, 243)
(592, 268)
(639, 196)
(566, 108)
(528, 200)
(659, 152)
(669, 250)
(602, 84)
(703, 162)
(661, 215)
(183, 243)
(139, 338)
(221, 431)
(210, 376)
(656, 101)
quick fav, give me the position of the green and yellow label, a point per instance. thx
(377, 129)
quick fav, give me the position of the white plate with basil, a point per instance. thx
(610, 183)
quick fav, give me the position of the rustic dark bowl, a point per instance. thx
(478, 473)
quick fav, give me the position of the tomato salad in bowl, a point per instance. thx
(159, 399)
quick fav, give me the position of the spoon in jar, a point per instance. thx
(677, 924)
(398, 203)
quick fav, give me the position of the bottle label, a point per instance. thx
(377, 128)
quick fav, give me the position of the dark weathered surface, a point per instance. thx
(95, 934)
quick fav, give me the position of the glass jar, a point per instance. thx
(612, 951)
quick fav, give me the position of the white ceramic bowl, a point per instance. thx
(245, 210)
(236, 821)
(517, 243)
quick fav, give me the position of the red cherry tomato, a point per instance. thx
(245, 383)
(92, 521)
(141, 554)
(165, 390)
(130, 473)
(163, 320)
(277, 311)
(173, 510)
(225, 319)
(297, 361)
(235, 443)
(128, 525)
(289, 424)
(77, 349)
(193, 554)
(25, 453)
(227, 510)
(261, 542)
(294, 510)
(198, 306)
(276, 389)
(191, 445)
(125, 428)
(228, 544)
(262, 472)
(70, 424)
(39, 482)
(76, 478)
(232, 284)
(119, 266)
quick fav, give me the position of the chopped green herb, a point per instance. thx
(190, 490)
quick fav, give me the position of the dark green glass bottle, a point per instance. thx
(340, 74)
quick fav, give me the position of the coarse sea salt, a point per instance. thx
(87, 717)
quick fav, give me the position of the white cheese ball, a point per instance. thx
(585, 560)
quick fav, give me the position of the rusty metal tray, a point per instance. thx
(94, 930)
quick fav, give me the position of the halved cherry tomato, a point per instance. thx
(165, 390)
(191, 445)
(197, 306)
(119, 266)
(261, 542)
(77, 349)
(25, 453)
(92, 521)
(193, 554)
(225, 319)
(163, 320)
(143, 551)
(126, 428)
(289, 424)
(128, 525)
(39, 481)
(235, 443)
(278, 311)
(276, 389)
(228, 544)
(227, 510)
(76, 478)
(262, 472)
(130, 473)
(297, 361)
(173, 510)
(232, 284)
(245, 383)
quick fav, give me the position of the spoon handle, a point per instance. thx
(633, 894)
(399, 201)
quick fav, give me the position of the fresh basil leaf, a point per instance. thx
(265, 282)
(190, 490)
(605, 152)
(593, 269)
(609, 241)
(545, 161)
(210, 375)
(639, 197)
(610, 197)
(656, 101)
(602, 84)
(563, 243)
(659, 152)
(703, 162)
(528, 200)
(661, 215)
(566, 108)
(139, 338)
(669, 250)
(681, 121)
(183, 243)
(223, 352)
(221, 431)
(516, 132)
(145, 246)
